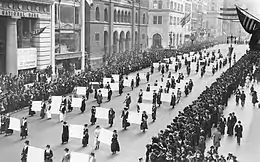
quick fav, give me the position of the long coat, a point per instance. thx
(65, 134)
(115, 144)
(24, 154)
(66, 158)
(24, 129)
(238, 130)
(48, 156)
(111, 116)
(85, 137)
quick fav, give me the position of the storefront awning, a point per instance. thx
(38, 1)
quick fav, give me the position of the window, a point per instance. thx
(129, 17)
(143, 36)
(77, 15)
(136, 18)
(170, 20)
(122, 16)
(171, 5)
(178, 9)
(160, 4)
(96, 36)
(154, 19)
(175, 6)
(144, 19)
(174, 21)
(97, 14)
(159, 19)
(106, 15)
(181, 7)
(178, 21)
(126, 17)
(115, 16)
(155, 4)
(66, 42)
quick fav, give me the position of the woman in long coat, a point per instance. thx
(99, 97)
(85, 136)
(65, 133)
(144, 118)
(93, 118)
(159, 101)
(254, 97)
(114, 143)
(111, 116)
(154, 109)
(83, 105)
(43, 106)
(24, 129)
(48, 154)
(140, 98)
(124, 117)
(173, 100)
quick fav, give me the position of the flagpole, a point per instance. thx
(53, 40)
(82, 35)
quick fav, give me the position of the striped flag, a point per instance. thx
(248, 21)
(185, 20)
(38, 31)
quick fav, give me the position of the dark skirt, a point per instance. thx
(93, 119)
(115, 146)
(65, 137)
(24, 132)
(143, 125)
(85, 140)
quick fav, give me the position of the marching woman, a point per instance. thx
(140, 99)
(85, 136)
(99, 97)
(137, 80)
(69, 100)
(159, 101)
(144, 118)
(147, 77)
(254, 98)
(110, 92)
(24, 153)
(132, 84)
(48, 110)
(83, 104)
(48, 154)
(121, 86)
(148, 88)
(62, 112)
(154, 109)
(178, 95)
(93, 118)
(24, 129)
(43, 106)
(152, 69)
(96, 134)
(154, 97)
(111, 116)
(173, 100)
(124, 117)
(114, 143)
(127, 100)
(65, 133)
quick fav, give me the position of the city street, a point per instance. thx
(133, 140)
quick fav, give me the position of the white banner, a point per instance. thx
(156, 65)
(142, 76)
(104, 92)
(105, 136)
(15, 124)
(35, 154)
(127, 83)
(79, 157)
(147, 96)
(114, 86)
(166, 97)
(55, 104)
(76, 131)
(81, 91)
(36, 105)
(193, 66)
(135, 118)
(76, 102)
(115, 77)
(102, 113)
(26, 58)
(147, 107)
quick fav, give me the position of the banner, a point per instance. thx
(79, 157)
(35, 154)
(105, 136)
(102, 113)
(36, 105)
(142, 76)
(15, 124)
(26, 58)
(81, 91)
(156, 65)
(147, 107)
(127, 83)
(147, 96)
(55, 104)
(76, 131)
(134, 117)
(193, 66)
(166, 97)
(76, 102)
(115, 77)
(114, 86)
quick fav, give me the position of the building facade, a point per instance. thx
(115, 26)
(21, 48)
(164, 29)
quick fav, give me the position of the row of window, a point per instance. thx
(120, 16)
(158, 4)
(175, 20)
(97, 37)
(157, 19)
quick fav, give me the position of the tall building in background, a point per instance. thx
(199, 13)
(188, 11)
(164, 28)
(114, 26)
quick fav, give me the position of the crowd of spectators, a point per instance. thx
(184, 139)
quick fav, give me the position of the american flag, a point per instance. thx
(248, 21)
(185, 20)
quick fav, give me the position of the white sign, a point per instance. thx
(105, 136)
(114, 86)
(81, 91)
(26, 58)
(101, 113)
(115, 77)
(142, 76)
(76, 102)
(35, 154)
(15, 124)
(79, 157)
(135, 118)
(148, 96)
(36, 105)
(166, 97)
(127, 83)
(104, 92)
(55, 104)
(76, 131)
(147, 107)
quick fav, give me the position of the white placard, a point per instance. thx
(135, 118)
(147, 107)
(55, 104)
(193, 66)
(105, 136)
(102, 113)
(185, 55)
(166, 97)
(189, 59)
(181, 85)
(114, 86)
(76, 131)
(127, 83)
(171, 90)
(76, 102)
(81, 91)
(27, 86)
(142, 76)
(192, 53)
(172, 66)
(104, 92)
(105, 80)
(172, 59)
(36, 105)
(156, 65)
(115, 77)
(35, 154)
(147, 96)
(15, 124)
(26, 58)
(79, 157)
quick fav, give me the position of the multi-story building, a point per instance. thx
(164, 28)
(21, 48)
(114, 26)
(188, 11)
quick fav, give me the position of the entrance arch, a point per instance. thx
(105, 43)
(122, 42)
(157, 40)
(115, 42)
(127, 41)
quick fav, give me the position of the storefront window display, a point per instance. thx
(67, 41)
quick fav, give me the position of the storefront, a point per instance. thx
(25, 37)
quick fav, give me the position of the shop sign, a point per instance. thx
(18, 14)
(26, 58)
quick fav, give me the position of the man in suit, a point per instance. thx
(66, 157)
(238, 131)
(25, 151)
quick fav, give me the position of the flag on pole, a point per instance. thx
(248, 21)
(38, 31)
(90, 2)
(185, 20)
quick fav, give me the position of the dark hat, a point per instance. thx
(114, 131)
(239, 122)
(48, 146)
(66, 149)
(27, 142)
(125, 108)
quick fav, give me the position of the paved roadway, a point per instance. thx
(249, 150)
(132, 141)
